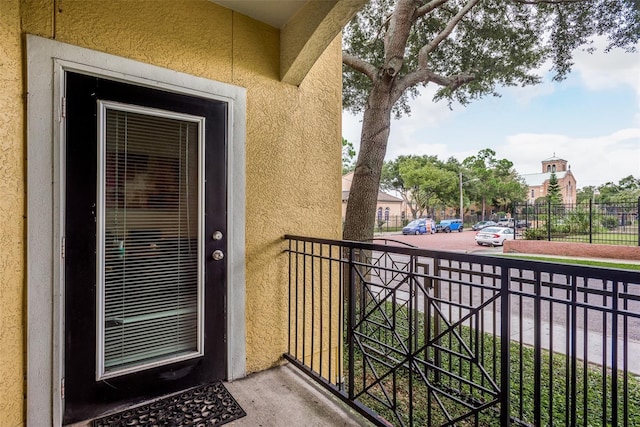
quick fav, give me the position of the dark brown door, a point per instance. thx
(145, 210)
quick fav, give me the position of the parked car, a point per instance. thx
(431, 225)
(506, 222)
(482, 224)
(449, 225)
(417, 226)
(494, 236)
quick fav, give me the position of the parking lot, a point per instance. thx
(455, 241)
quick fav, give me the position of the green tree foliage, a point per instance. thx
(496, 184)
(626, 190)
(629, 183)
(348, 156)
(553, 191)
(585, 194)
(427, 183)
(468, 49)
(422, 181)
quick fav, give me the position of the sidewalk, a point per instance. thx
(596, 344)
(556, 334)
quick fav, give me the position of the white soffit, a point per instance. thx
(273, 12)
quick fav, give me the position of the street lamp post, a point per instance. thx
(461, 198)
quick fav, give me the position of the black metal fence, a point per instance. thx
(391, 223)
(587, 222)
(414, 337)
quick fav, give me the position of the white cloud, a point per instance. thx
(351, 127)
(425, 113)
(524, 95)
(600, 70)
(406, 132)
(594, 161)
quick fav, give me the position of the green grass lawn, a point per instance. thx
(628, 238)
(450, 393)
(590, 262)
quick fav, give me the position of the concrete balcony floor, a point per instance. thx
(284, 396)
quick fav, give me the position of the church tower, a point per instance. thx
(554, 164)
(538, 183)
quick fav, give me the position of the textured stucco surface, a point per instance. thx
(309, 33)
(293, 175)
(194, 39)
(292, 142)
(12, 182)
(38, 17)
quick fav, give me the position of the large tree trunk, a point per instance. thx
(363, 197)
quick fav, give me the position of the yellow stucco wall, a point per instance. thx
(292, 144)
(289, 198)
(12, 185)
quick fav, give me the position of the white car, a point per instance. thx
(494, 236)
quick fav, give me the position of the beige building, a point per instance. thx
(162, 136)
(388, 206)
(538, 183)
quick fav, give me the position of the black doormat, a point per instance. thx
(208, 405)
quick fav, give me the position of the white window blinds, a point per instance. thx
(149, 275)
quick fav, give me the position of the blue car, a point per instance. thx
(417, 226)
(449, 225)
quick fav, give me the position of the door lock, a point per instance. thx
(217, 255)
(217, 235)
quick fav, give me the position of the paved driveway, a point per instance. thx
(455, 241)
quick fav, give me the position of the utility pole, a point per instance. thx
(461, 198)
(461, 204)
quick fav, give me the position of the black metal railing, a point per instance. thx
(587, 222)
(414, 337)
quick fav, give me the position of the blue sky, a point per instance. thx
(591, 119)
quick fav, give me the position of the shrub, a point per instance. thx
(561, 229)
(535, 234)
(579, 221)
(609, 222)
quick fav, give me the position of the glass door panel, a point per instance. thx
(149, 254)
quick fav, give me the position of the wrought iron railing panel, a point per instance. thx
(413, 337)
(614, 223)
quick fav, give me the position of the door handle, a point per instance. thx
(217, 255)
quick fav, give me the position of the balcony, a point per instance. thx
(285, 396)
(385, 334)
(412, 337)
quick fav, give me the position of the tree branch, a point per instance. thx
(433, 4)
(359, 65)
(548, 1)
(430, 47)
(426, 76)
(395, 40)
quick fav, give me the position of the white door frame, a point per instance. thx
(48, 60)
